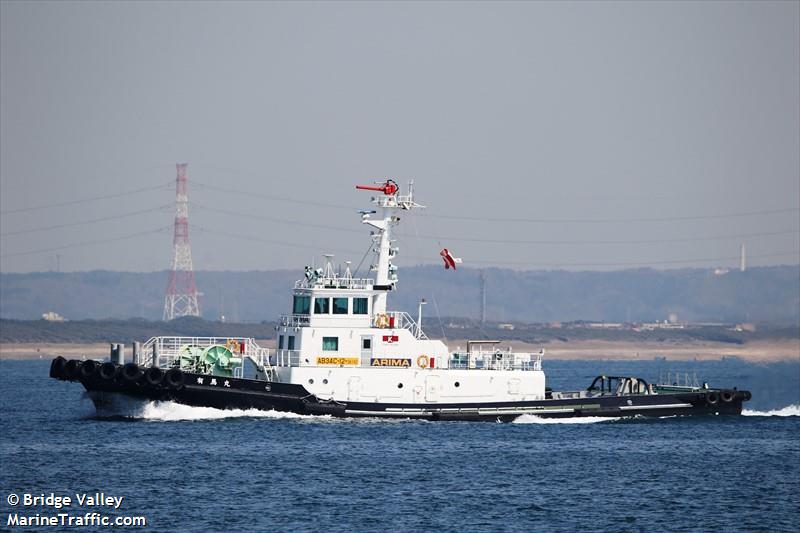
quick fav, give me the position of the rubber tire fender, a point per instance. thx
(108, 371)
(57, 368)
(71, 369)
(712, 398)
(727, 396)
(154, 376)
(174, 378)
(131, 372)
(88, 368)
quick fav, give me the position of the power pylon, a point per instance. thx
(181, 297)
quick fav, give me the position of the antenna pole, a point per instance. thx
(391, 203)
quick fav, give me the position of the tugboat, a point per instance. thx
(341, 352)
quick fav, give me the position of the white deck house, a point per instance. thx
(341, 343)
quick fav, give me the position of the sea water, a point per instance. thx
(201, 469)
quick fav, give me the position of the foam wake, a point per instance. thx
(789, 410)
(170, 411)
(533, 419)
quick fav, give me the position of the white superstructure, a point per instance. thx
(342, 343)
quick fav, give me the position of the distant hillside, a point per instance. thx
(765, 294)
(127, 331)
(124, 330)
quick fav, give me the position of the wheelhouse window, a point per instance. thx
(360, 306)
(322, 306)
(290, 342)
(280, 342)
(340, 306)
(330, 344)
(302, 305)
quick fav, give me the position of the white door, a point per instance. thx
(354, 388)
(366, 350)
(418, 393)
(432, 388)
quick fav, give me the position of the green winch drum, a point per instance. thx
(221, 359)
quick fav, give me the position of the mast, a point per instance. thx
(390, 203)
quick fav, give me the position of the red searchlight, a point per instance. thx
(389, 188)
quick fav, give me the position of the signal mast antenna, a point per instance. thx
(181, 297)
(390, 202)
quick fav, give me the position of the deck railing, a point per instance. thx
(496, 360)
(286, 358)
(399, 320)
(294, 321)
(165, 352)
(335, 283)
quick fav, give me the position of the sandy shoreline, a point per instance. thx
(756, 351)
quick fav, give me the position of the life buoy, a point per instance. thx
(422, 361)
(712, 398)
(233, 345)
(382, 321)
(727, 396)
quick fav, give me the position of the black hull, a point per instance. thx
(232, 393)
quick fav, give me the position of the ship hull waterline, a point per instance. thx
(202, 390)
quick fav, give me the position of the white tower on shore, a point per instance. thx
(743, 258)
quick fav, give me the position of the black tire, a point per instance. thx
(131, 372)
(108, 371)
(88, 368)
(154, 376)
(747, 395)
(174, 378)
(712, 398)
(727, 396)
(57, 368)
(72, 369)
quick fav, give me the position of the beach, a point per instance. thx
(759, 351)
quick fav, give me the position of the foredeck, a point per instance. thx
(166, 352)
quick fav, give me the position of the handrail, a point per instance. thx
(335, 283)
(164, 351)
(496, 360)
(399, 320)
(287, 358)
(295, 320)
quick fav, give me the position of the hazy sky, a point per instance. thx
(586, 120)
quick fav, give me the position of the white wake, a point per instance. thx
(533, 419)
(789, 410)
(170, 411)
